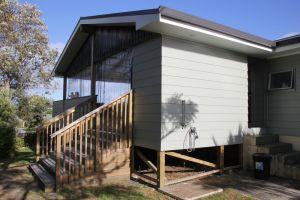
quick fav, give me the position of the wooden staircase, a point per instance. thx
(97, 143)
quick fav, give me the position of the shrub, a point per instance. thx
(30, 140)
(7, 139)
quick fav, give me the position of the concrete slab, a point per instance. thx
(190, 190)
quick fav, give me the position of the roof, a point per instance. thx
(288, 40)
(168, 21)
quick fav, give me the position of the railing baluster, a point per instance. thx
(125, 132)
(47, 136)
(86, 146)
(113, 133)
(107, 129)
(91, 143)
(37, 144)
(117, 125)
(57, 163)
(121, 124)
(130, 118)
(69, 153)
(97, 132)
(81, 129)
(75, 151)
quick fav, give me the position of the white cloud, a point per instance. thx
(59, 46)
(289, 34)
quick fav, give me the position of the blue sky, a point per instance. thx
(271, 19)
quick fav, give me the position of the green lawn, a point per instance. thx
(122, 190)
(23, 156)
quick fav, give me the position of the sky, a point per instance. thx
(271, 19)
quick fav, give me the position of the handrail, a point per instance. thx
(44, 143)
(60, 131)
(63, 114)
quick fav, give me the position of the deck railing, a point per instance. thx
(82, 146)
(44, 143)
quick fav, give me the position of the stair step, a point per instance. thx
(292, 158)
(266, 139)
(46, 181)
(275, 148)
(48, 164)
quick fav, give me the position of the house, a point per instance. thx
(142, 88)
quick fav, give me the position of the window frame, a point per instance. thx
(279, 72)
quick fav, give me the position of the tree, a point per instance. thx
(26, 59)
(33, 109)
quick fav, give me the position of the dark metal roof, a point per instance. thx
(130, 13)
(197, 21)
(288, 40)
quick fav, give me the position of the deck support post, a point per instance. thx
(132, 169)
(220, 158)
(241, 155)
(161, 169)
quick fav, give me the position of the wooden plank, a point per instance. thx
(140, 175)
(220, 158)
(197, 176)
(146, 160)
(161, 169)
(125, 132)
(191, 159)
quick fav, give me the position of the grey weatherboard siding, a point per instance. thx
(213, 82)
(283, 106)
(146, 83)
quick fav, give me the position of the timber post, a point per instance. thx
(161, 169)
(220, 158)
(57, 163)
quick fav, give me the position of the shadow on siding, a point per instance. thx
(172, 114)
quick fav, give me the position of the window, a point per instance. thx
(281, 80)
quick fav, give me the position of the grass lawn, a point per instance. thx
(18, 178)
(23, 156)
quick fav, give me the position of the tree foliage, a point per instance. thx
(26, 58)
(33, 109)
(7, 108)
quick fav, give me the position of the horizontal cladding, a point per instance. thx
(214, 84)
(283, 116)
(146, 84)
